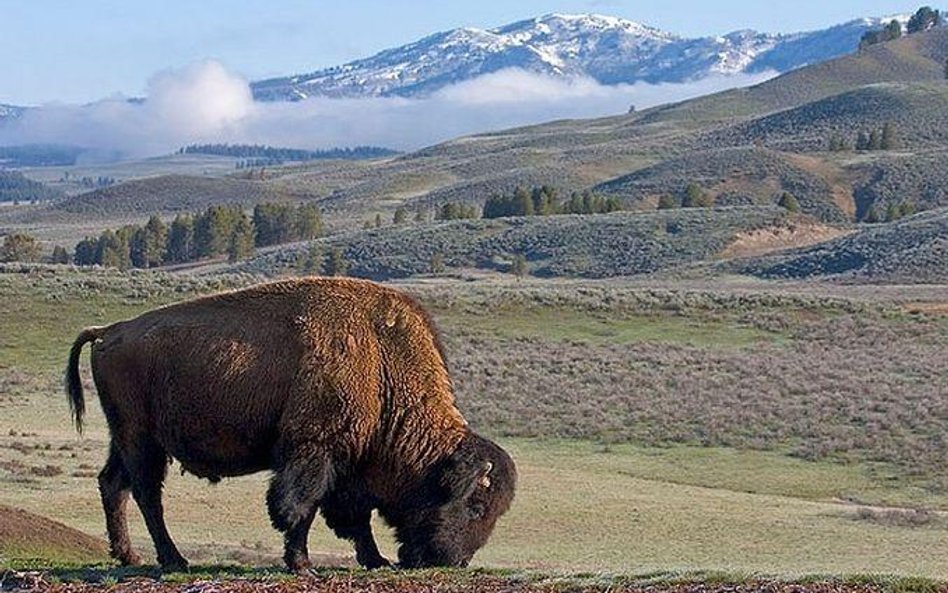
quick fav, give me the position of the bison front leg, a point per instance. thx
(351, 518)
(292, 501)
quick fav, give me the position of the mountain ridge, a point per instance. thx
(609, 50)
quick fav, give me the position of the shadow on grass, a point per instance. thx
(110, 574)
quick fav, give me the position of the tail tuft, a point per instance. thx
(77, 403)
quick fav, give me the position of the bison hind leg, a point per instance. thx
(292, 501)
(114, 488)
(147, 463)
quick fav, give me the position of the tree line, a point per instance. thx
(544, 200)
(39, 155)
(886, 138)
(275, 155)
(17, 187)
(924, 19)
(216, 231)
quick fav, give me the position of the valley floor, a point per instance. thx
(682, 477)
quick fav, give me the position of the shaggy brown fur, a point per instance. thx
(338, 386)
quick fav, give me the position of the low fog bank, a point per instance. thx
(206, 103)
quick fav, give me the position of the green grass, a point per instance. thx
(581, 505)
(626, 511)
(571, 325)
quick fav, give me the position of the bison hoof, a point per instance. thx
(298, 564)
(129, 559)
(373, 563)
(174, 565)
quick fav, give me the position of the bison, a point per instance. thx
(337, 386)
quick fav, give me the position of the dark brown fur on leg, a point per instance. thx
(349, 515)
(292, 501)
(114, 488)
(295, 548)
(147, 466)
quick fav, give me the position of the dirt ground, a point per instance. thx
(446, 582)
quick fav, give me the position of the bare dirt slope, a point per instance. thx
(25, 535)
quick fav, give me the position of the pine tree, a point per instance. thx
(136, 248)
(872, 215)
(523, 202)
(875, 140)
(112, 250)
(20, 247)
(241, 241)
(400, 216)
(275, 223)
(213, 228)
(695, 197)
(923, 20)
(789, 202)
(154, 242)
(893, 30)
(449, 211)
(179, 246)
(336, 265)
(85, 252)
(862, 141)
(378, 221)
(59, 256)
(436, 265)
(518, 267)
(309, 223)
(667, 202)
(890, 137)
(311, 261)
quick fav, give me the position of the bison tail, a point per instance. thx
(77, 403)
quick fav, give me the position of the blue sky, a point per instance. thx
(76, 51)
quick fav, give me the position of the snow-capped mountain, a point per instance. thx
(10, 111)
(608, 49)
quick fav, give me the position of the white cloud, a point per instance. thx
(205, 103)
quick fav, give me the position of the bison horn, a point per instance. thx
(484, 482)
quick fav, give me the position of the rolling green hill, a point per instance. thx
(919, 112)
(165, 194)
(734, 176)
(589, 246)
(745, 147)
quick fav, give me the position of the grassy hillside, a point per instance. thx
(164, 194)
(589, 246)
(913, 58)
(638, 156)
(734, 177)
(913, 249)
(919, 112)
(920, 179)
(15, 187)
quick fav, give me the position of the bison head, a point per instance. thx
(451, 516)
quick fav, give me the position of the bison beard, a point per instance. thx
(338, 386)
